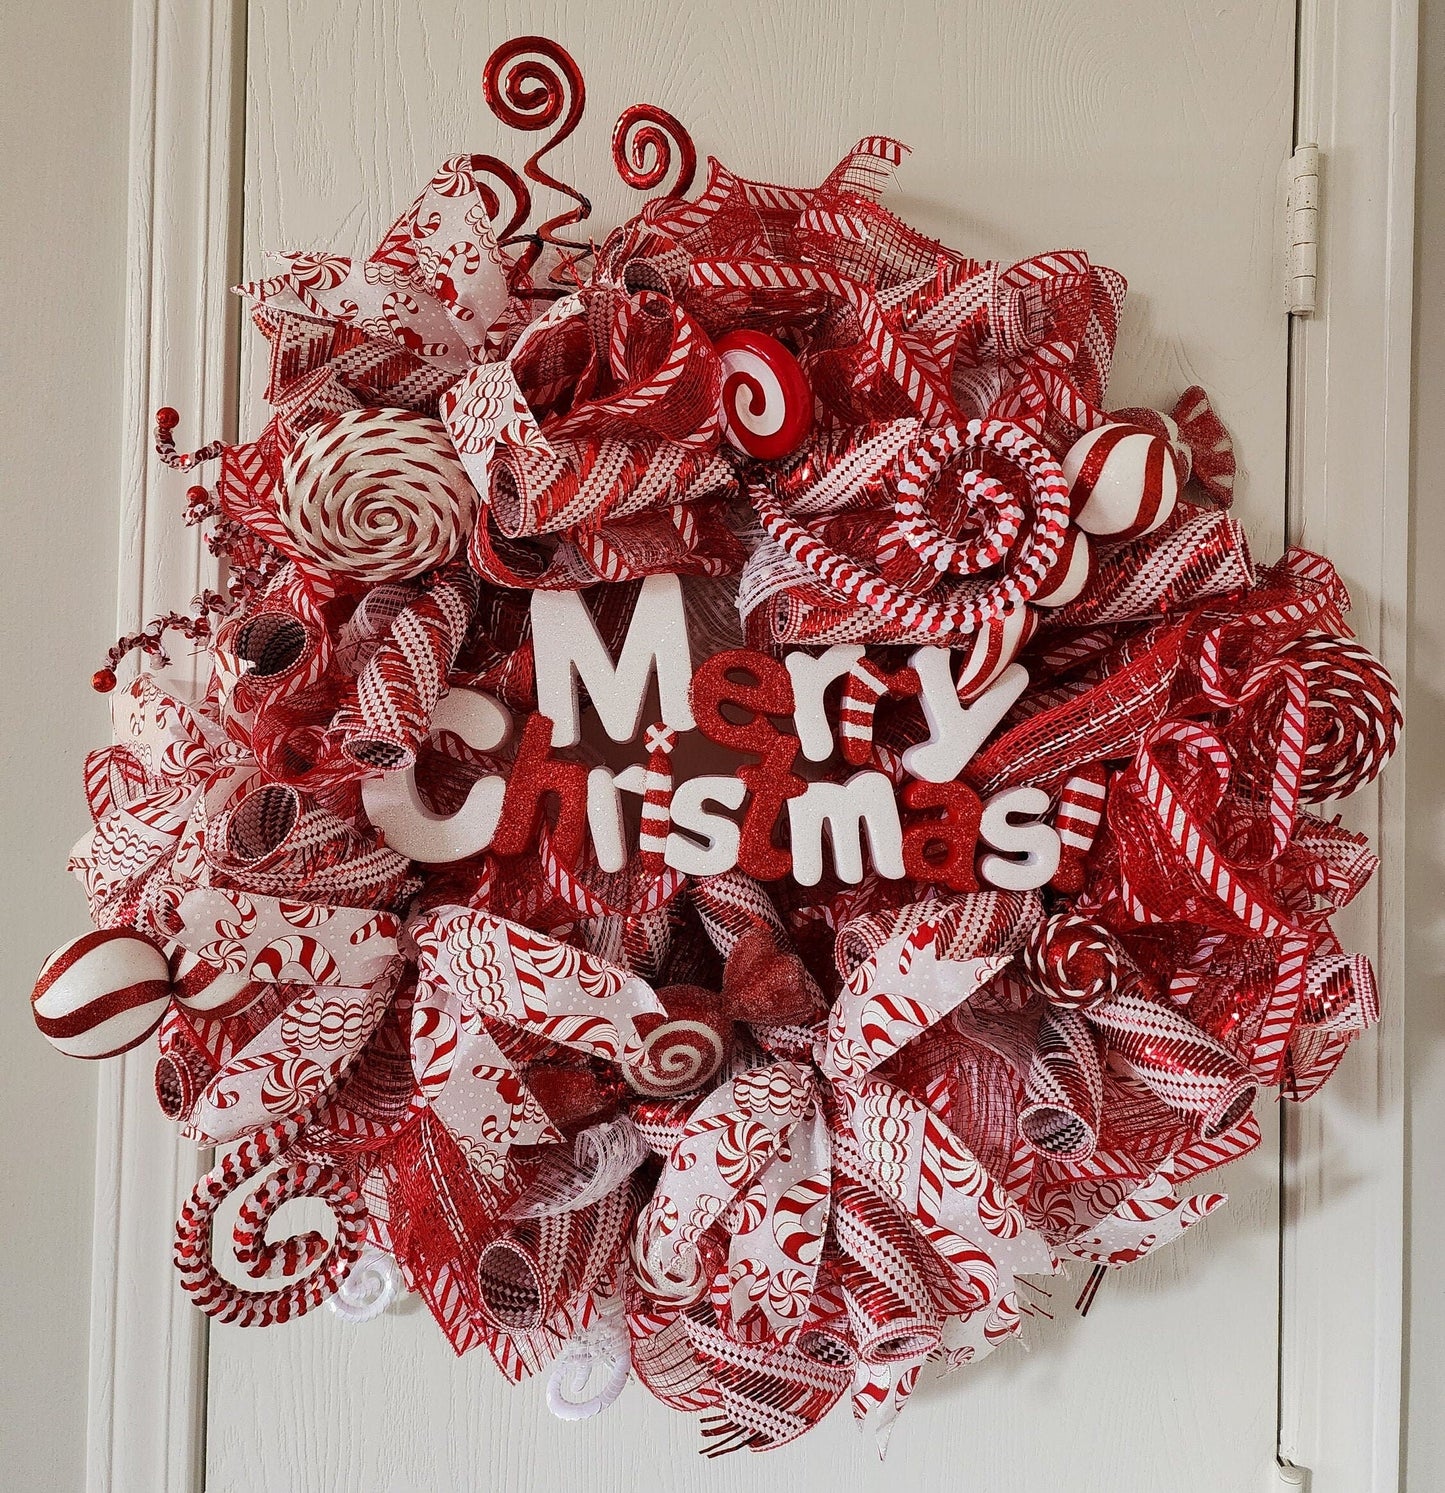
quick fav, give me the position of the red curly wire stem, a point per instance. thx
(644, 140)
(530, 83)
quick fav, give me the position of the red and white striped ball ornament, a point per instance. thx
(1122, 481)
(102, 993)
(377, 495)
(1065, 580)
(767, 404)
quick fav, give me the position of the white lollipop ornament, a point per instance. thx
(1122, 481)
(102, 993)
(377, 495)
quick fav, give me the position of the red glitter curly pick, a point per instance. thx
(643, 142)
(520, 196)
(530, 83)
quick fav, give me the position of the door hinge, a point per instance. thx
(1301, 229)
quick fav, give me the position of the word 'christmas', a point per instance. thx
(732, 699)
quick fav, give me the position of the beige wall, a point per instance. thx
(63, 113)
(1425, 852)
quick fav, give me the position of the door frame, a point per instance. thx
(1342, 1239)
(1342, 1299)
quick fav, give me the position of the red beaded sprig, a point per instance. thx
(166, 421)
(195, 625)
(251, 563)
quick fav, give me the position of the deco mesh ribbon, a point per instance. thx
(768, 1146)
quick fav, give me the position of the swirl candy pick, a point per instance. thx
(377, 495)
(679, 1054)
(767, 406)
(620, 1053)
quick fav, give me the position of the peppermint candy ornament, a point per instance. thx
(1073, 961)
(1065, 582)
(377, 495)
(767, 406)
(681, 1053)
(102, 993)
(1122, 481)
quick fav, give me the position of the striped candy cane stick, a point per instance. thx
(1080, 812)
(866, 685)
(656, 798)
(193, 1252)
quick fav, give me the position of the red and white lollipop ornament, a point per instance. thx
(767, 405)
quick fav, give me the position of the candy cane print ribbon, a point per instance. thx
(437, 305)
(731, 1138)
(342, 962)
(964, 1214)
(507, 972)
(908, 971)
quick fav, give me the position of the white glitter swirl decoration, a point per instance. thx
(371, 1286)
(377, 495)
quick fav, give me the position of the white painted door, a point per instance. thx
(1149, 135)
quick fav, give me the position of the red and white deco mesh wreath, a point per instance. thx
(739, 817)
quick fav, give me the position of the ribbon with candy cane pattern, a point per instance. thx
(513, 974)
(343, 964)
(144, 795)
(965, 1215)
(728, 1142)
(434, 285)
(905, 972)
(476, 967)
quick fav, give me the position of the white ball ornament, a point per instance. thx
(102, 993)
(1122, 481)
(377, 495)
(1070, 573)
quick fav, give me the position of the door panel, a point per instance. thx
(1150, 137)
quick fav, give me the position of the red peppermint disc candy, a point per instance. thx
(767, 406)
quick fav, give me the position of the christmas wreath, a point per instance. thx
(737, 817)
